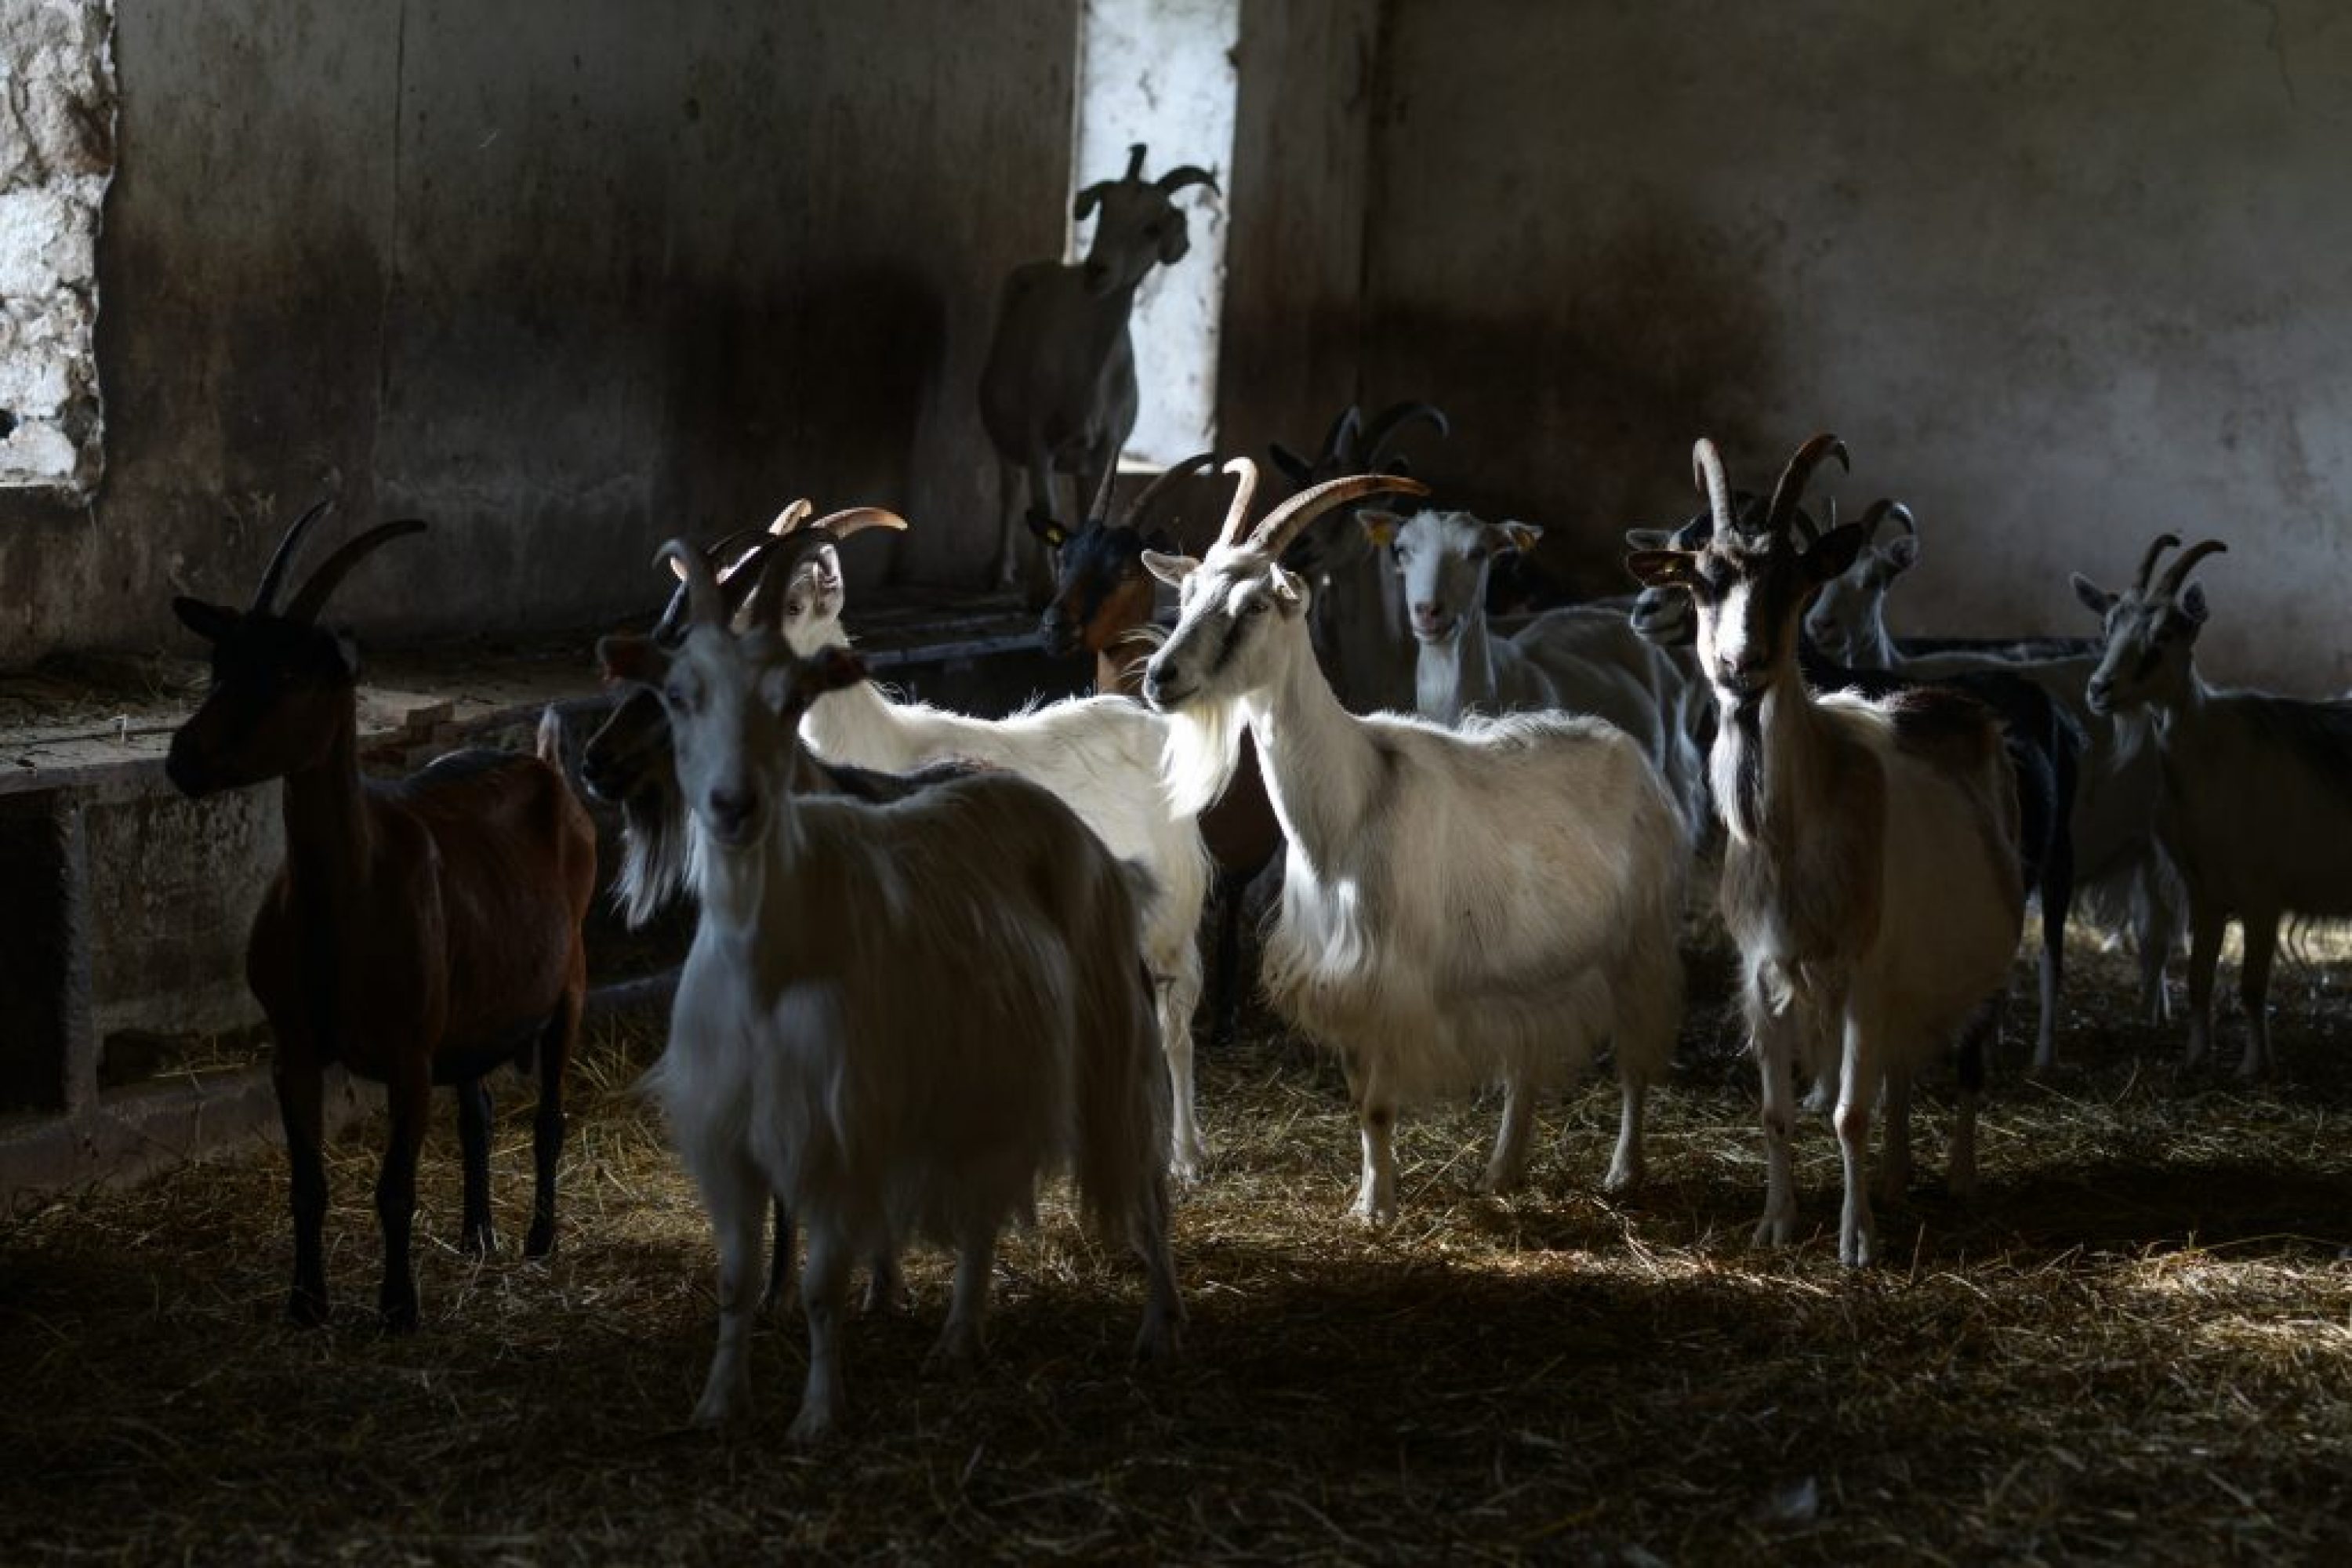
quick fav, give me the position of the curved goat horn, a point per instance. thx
(1880, 510)
(728, 556)
(1797, 475)
(2156, 548)
(307, 603)
(1184, 175)
(1134, 162)
(705, 604)
(1181, 469)
(283, 557)
(1707, 469)
(1245, 474)
(2178, 573)
(1349, 425)
(789, 519)
(1287, 522)
(1391, 423)
(857, 520)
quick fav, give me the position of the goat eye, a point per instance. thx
(1256, 607)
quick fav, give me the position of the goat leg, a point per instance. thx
(2253, 991)
(410, 1097)
(302, 1113)
(481, 1239)
(547, 1127)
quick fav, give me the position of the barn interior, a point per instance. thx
(568, 280)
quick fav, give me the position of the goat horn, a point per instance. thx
(1707, 469)
(1348, 426)
(1391, 423)
(1184, 175)
(1880, 510)
(275, 572)
(1245, 474)
(2178, 573)
(1134, 162)
(857, 520)
(1198, 462)
(728, 555)
(790, 518)
(1287, 522)
(314, 597)
(2157, 547)
(1797, 476)
(704, 602)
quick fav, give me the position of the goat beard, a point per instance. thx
(1204, 746)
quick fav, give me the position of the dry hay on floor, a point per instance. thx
(2136, 1344)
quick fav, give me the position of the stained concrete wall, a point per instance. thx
(564, 277)
(2064, 276)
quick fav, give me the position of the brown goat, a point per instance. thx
(418, 933)
(1102, 603)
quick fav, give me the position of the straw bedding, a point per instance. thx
(2135, 1344)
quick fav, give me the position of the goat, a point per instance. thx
(420, 932)
(1103, 604)
(1871, 868)
(895, 1018)
(1355, 617)
(1584, 659)
(2045, 746)
(1099, 754)
(2256, 808)
(1057, 389)
(2116, 859)
(1457, 906)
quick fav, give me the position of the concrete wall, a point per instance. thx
(2063, 276)
(563, 277)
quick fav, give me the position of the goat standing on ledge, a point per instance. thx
(1871, 873)
(1057, 391)
(420, 932)
(896, 1018)
(2256, 809)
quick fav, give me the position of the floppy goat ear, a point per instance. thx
(1170, 569)
(1662, 568)
(2096, 599)
(210, 622)
(632, 660)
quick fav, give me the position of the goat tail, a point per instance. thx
(1121, 1136)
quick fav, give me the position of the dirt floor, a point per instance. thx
(2135, 1345)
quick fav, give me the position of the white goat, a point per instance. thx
(1099, 754)
(1871, 873)
(896, 1019)
(2256, 809)
(1585, 659)
(1457, 906)
(1057, 390)
(2119, 865)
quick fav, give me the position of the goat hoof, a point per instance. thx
(305, 1307)
(481, 1241)
(958, 1353)
(1621, 1179)
(400, 1317)
(810, 1427)
(715, 1409)
(541, 1241)
(1157, 1345)
(1772, 1231)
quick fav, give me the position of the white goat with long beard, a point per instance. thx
(898, 1019)
(1458, 906)
(1871, 873)
(2256, 810)
(1583, 658)
(1100, 755)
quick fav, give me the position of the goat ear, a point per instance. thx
(1294, 468)
(638, 661)
(1088, 200)
(1379, 527)
(1649, 539)
(1046, 528)
(2096, 599)
(2192, 605)
(1835, 552)
(1175, 239)
(1662, 568)
(1168, 568)
(1289, 590)
(1900, 554)
(1509, 536)
(210, 622)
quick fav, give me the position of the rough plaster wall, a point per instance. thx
(563, 277)
(56, 153)
(1295, 254)
(2064, 276)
